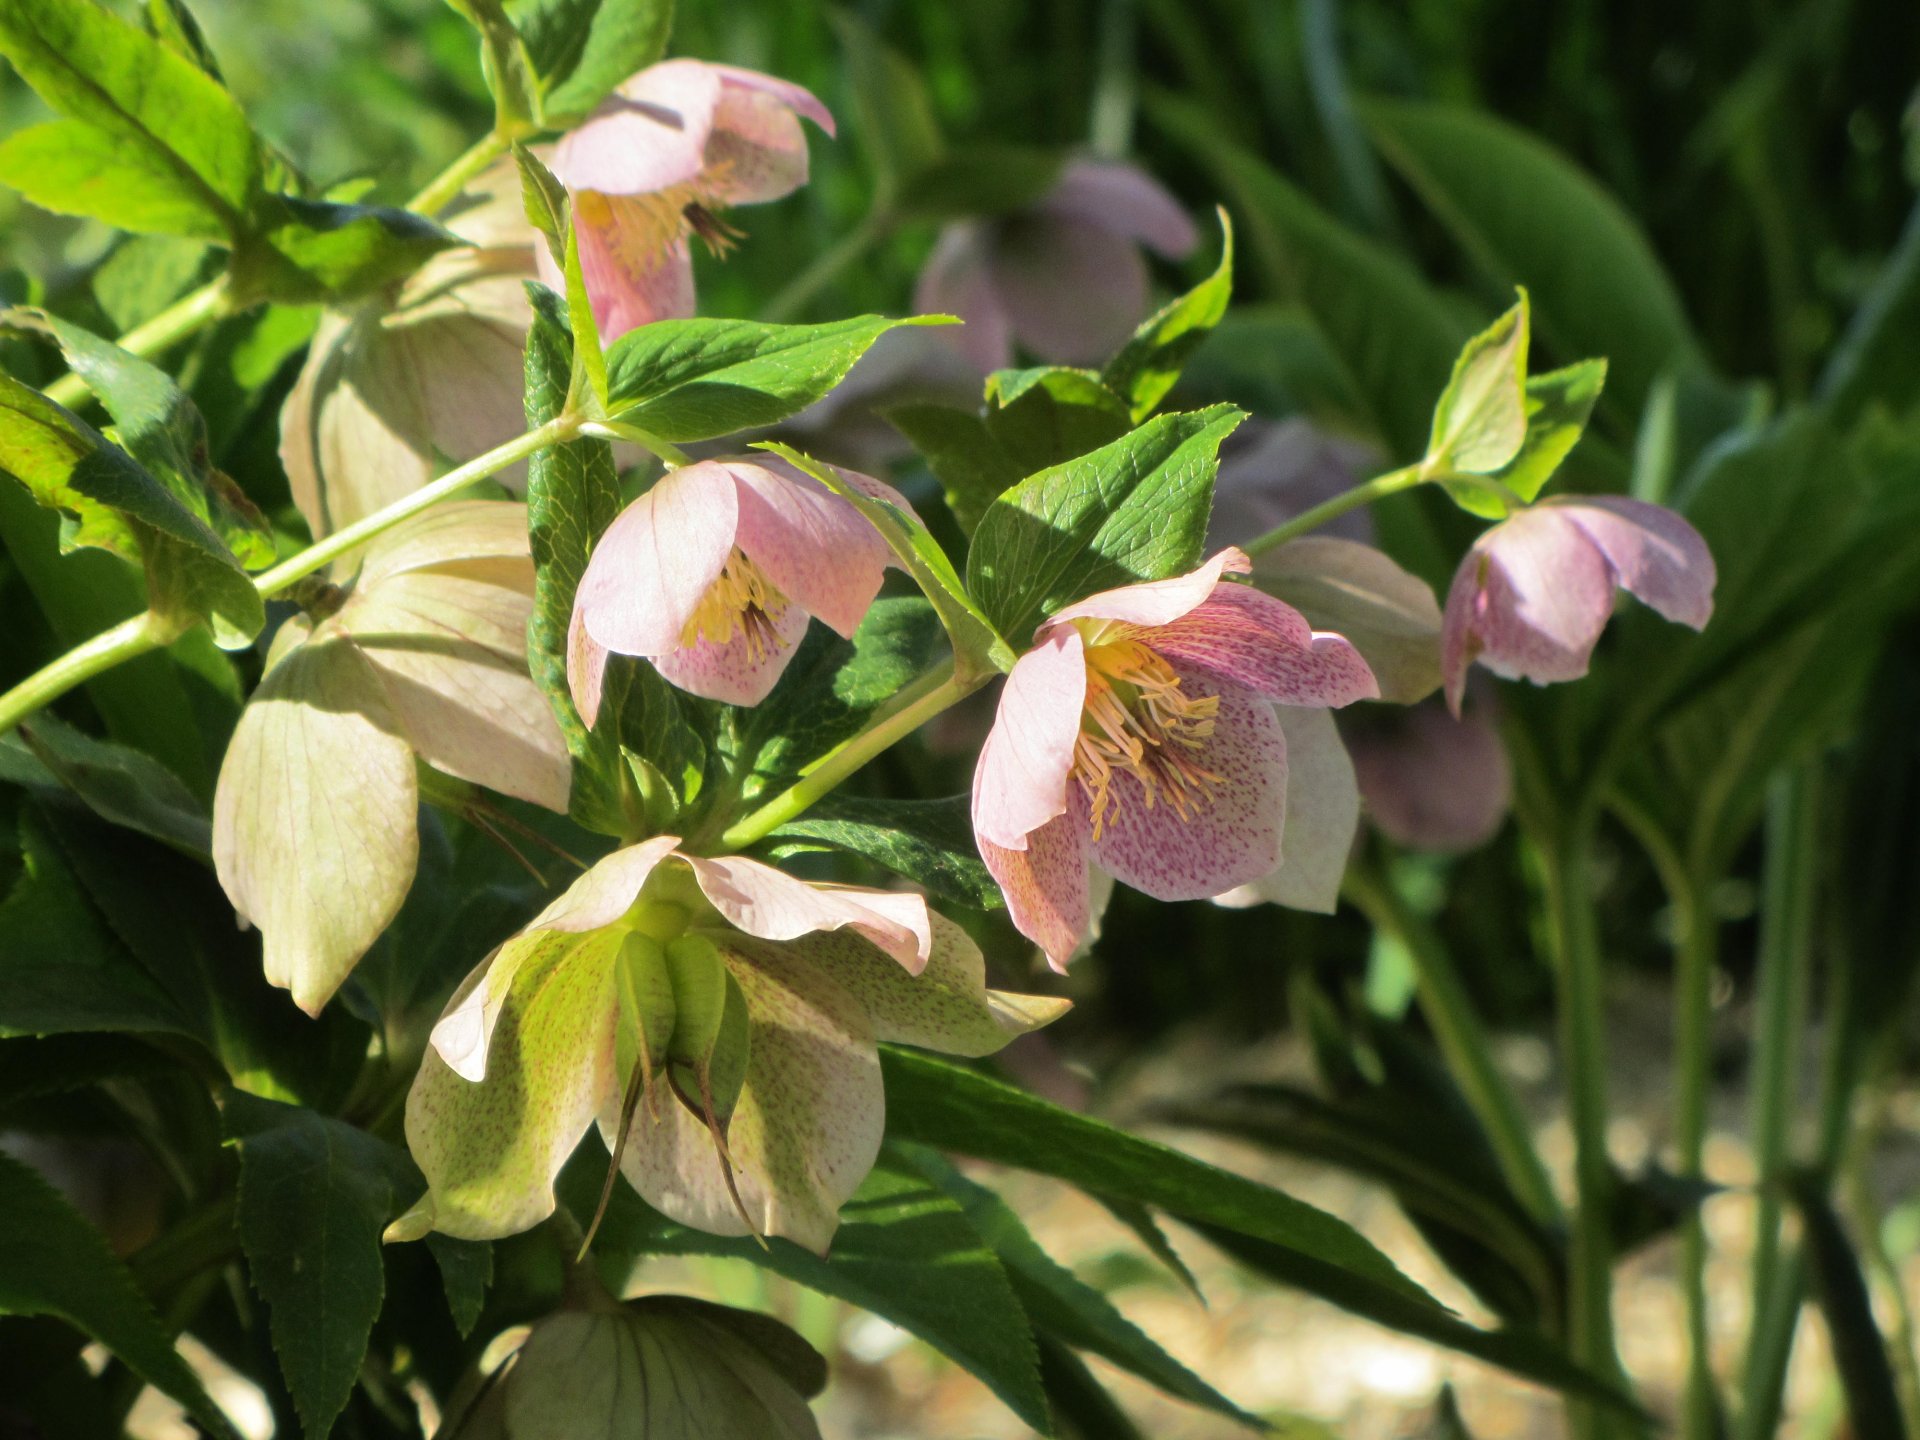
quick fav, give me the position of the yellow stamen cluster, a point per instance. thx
(742, 601)
(1137, 721)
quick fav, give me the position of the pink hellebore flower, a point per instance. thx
(712, 573)
(1533, 594)
(672, 146)
(1065, 277)
(1432, 781)
(1139, 733)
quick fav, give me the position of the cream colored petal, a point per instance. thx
(314, 817)
(459, 534)
(1390, 616)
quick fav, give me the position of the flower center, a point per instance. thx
(742, 601)
(1137, 721)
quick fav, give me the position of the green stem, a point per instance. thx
(1573, 936)
(186, 316)
(1698, 950)
(671, 455)
(1378, 488)
(137, 636)
(452, 180)
(1463, 1040)
(837, 257)
(912, 708)
(324, 552)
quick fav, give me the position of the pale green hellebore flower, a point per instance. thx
(315, 818)
(661, 1368)
(727, 1012)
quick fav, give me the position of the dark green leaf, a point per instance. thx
(951, 1108)
(121, 785)
(928, 841)
(581, 49)
(52, 1262)
(299, 250)
(315, 1193)
(1081, 1405)
(1859, 1349)
(972, 469)
(686, 380)
(1131, 511)
(1149, 364)
(1052, 414)
(173, 137)
(466, 1270)
(1146, 1229)
(1878, 355)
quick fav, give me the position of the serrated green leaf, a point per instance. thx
(296, 250)
(164, 116)
(686, 380)
(581, 49)
(52, 1262)
(1149, 364)
(173, 25)
(904, 1250)
(1133, 510)
(977, 647)
(73, 168)
(1480, 419)
(972, 469)
(544, 199)
(1052, 414)
(314, 1195)
(466, 1272)
(1559, 404)
(928, 841)
(121, 785)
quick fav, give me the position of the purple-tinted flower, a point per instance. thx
(1430, 781)
(1533, 594)
(1065, 277)
(1139, 734)
(713, 573)
(667, 151)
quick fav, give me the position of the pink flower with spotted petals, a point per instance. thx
(713, 573)
(1533, 594)
(653, 166)
(1139, 735)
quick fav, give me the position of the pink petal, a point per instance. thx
(1073, 289)
(634, 262)
(794, 97)
(1046, 884)
(772, 905)
(1528, 601)
(1156, 602)
(1021, 780)
(586, 670)
(1125, 200)
(737, 671)
(1245, 637)
(1235, 839)
(650, 134)
(1656, 555)
(757, 152)
(1432, 782)
(604, 893)
(656, 561)
(956, 280)
(818, 550)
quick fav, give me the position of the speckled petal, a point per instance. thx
(946, 1007)
(1656, 555)
(757, 151)
(634, 261)
(1323, 813)
(1021, 780)
(772, 905)
(806, 1128)
(1156, 602)
(956, 280)
(1126, 200)
(1232, 841)
(650, 134)
(1528, 601)
(656, 562)
(1242, 636)
(736, 671)
(490, 1149)
(1046, 884)
(818, 550)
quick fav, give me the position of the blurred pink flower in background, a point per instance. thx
(1533, 594)
(713, 573)
(654, 164)
(1430, 781)
(1063, 278)
(1139, 734)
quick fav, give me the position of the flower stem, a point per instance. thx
(839, 256)
(1378, 488)
(1463, 1040)
(149, 631)
(452, 180)
(671, 456)
(1699, 946)
(186, 316)
(142, 633)
(912, 708)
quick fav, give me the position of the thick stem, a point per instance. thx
(1463, 1040)
(1573, 935)
(1695, 956)
(839, 256)
(133, 637)
(186, 316)
(913, 707)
